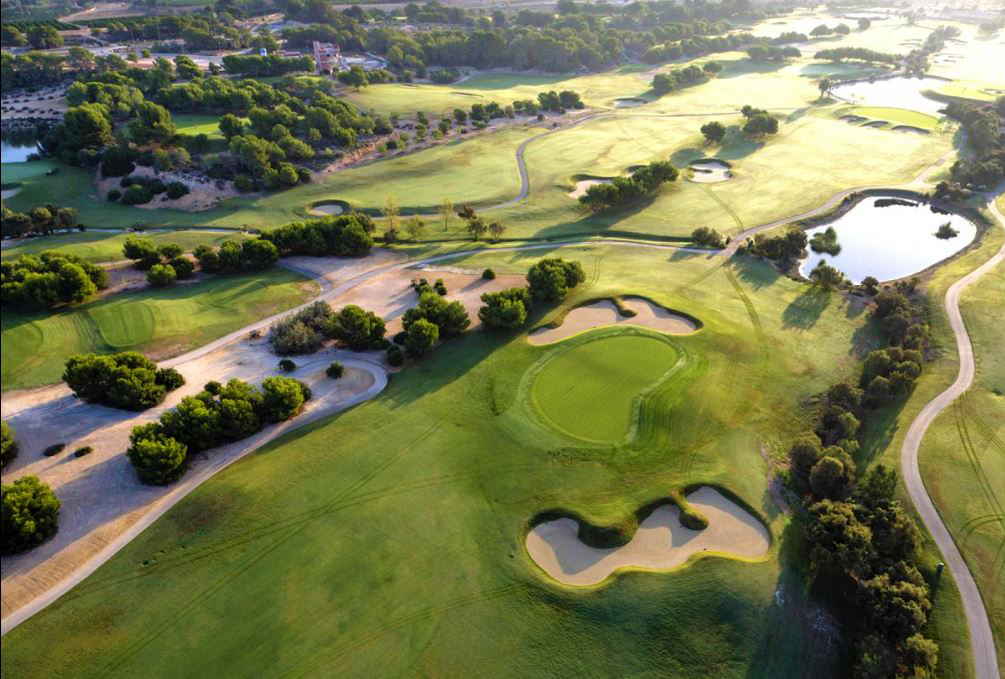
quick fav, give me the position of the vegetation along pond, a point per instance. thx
(890, 242)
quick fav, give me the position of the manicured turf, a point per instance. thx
(894, 116)
(589, 386)
(160, 323)
(106, 247)
(389, 540)
(195, 124)
(976, 91)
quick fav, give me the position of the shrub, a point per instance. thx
(158, 460)
(29, 514)
(301, 332)
(420, 337)
(286, 365)
(704, 236)
(176, 190)
(169, 378)
(54, 449)
(142, 251)
(113, 195)
(183, 267)
(394, 355)
(335, 370)
(551, 279)
(161, 276)
(82, 451)
(49, 279)
(488, 275)
(506, 309)
(282, 398)
(359, 329)
(450, 318)
(8, 444)
(127, 380)
(137, 194)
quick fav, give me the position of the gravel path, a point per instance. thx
(981, 639)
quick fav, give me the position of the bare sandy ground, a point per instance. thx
(102, 10)
(661, 542)
(583, 185)
(709, 172)
(604, 312)
(202, 195)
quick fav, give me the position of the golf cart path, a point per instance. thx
(981, 639)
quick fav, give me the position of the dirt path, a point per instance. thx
(981, 638)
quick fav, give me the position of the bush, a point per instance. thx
(359, 329)
(137, 195)
(301, 332)
(82, 451)
(161, 276)
(394, 355)
(158, 460)
(286, 365)
(488, 275)
(450, 318)
(420, 337)
(282, 398)
(169, 378)
(176, 190)
(127, 380)
(113, 195)
(335, 370)
(506, 309)
(29, 514)
(8, 444)
(703, 236)
(183, 267)
(54, 449)
(551, 279)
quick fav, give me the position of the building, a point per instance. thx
(327, 57)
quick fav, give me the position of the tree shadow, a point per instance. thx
(756, 273)
(741, 67)
(805, 310)
(738, 144)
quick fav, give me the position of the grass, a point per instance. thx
(894, 116)
(389, 540)
(193, 124)
(161, 323)
(589, 387)
(104, 247)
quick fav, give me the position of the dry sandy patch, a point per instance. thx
(709, 171)
(583, 185)
(605, 312)
(661, 542)
(203, 193)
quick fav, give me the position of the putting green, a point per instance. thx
(590, 389)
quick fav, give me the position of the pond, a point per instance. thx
(16, 151)
(890, 242)
(899, 92)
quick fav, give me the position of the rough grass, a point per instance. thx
(105, 247)
(389, 540)
(590, 389)
(162, 322)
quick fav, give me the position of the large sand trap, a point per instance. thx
(661, 542)
(710, 171)
(584, 184)
(326, 209)
(628, 102)
(605, 312)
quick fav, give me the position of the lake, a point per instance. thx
(899, 92)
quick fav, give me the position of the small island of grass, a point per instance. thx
(946, 231)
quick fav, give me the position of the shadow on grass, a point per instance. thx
(755, 273)
(805, 310)
(740, 67)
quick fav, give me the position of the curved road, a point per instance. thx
(981, 640)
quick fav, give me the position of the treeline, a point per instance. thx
(624, 190)
(256, 66)
(696, 47)
(346, 235)
(126, 380)
(39, 221)
(763, 53)
(160, 451)
(862, 543)
(858, 54)
(48, 280)
(986, 136)
(664, 83)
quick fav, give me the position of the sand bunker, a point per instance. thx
(604, 312)
(584, 184)
(327, 209)
(628, 102)
(709, 171)
(909, 128)
(661, 542)
(876, 123)
(853, 119)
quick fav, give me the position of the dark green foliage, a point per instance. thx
(158, 459)
(357, 328)
(488, 275)
(282, 398)
(29, 514)
(301, 332)
(169, 378)
(857, 54)
(420, 338)
(143, 251)
(82, 451)
(450, 318)
(8, 444)
(50, 279)
(126, 380)
(782, 247)
(259, 254)
(760, 125)
(54, 449)
(551, 279)
(764, 52)
(342, 236)
(287, 366)
(707, 237)
(506, 309)
(624, 190)
(394, 355)
(161, 276)
(826, 241)
(335, 370)
(183, 266)
(713, 131)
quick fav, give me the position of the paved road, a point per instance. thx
(981, 640)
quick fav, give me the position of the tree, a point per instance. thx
(126, 380)
(153, 124)
(477, 228)
(496, 230)
(506, 309)
(8, 444)
(446, 211)
(194, 421)
(335, 370)
(824, 85)
(158, 460)
(43, 36)
(550, 279)
(420, 337)
(85, 127)
(10, 36)
(355, 77)
(864, 23)
(29, 514)
(259, 253)
(830, 478)
(143, 251)
(714, 131)
(826, 276)
(663, 83)
(707, 237)
(450, 318)
(358, 328)
(231, 126)
(282, 398)
(761, 124)
(415, 227)
(161, 276)
(391, 213)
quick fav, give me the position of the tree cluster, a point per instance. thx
(40, 220)
(305, 331)
(160, 451)
(256, 66)
(664, 83)
(49, 280)
(858, 54)
(643, 183)
(765, 53)
(782, 248)
(29, 514)
(347, 235)
(126, 380)
(987, 137)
